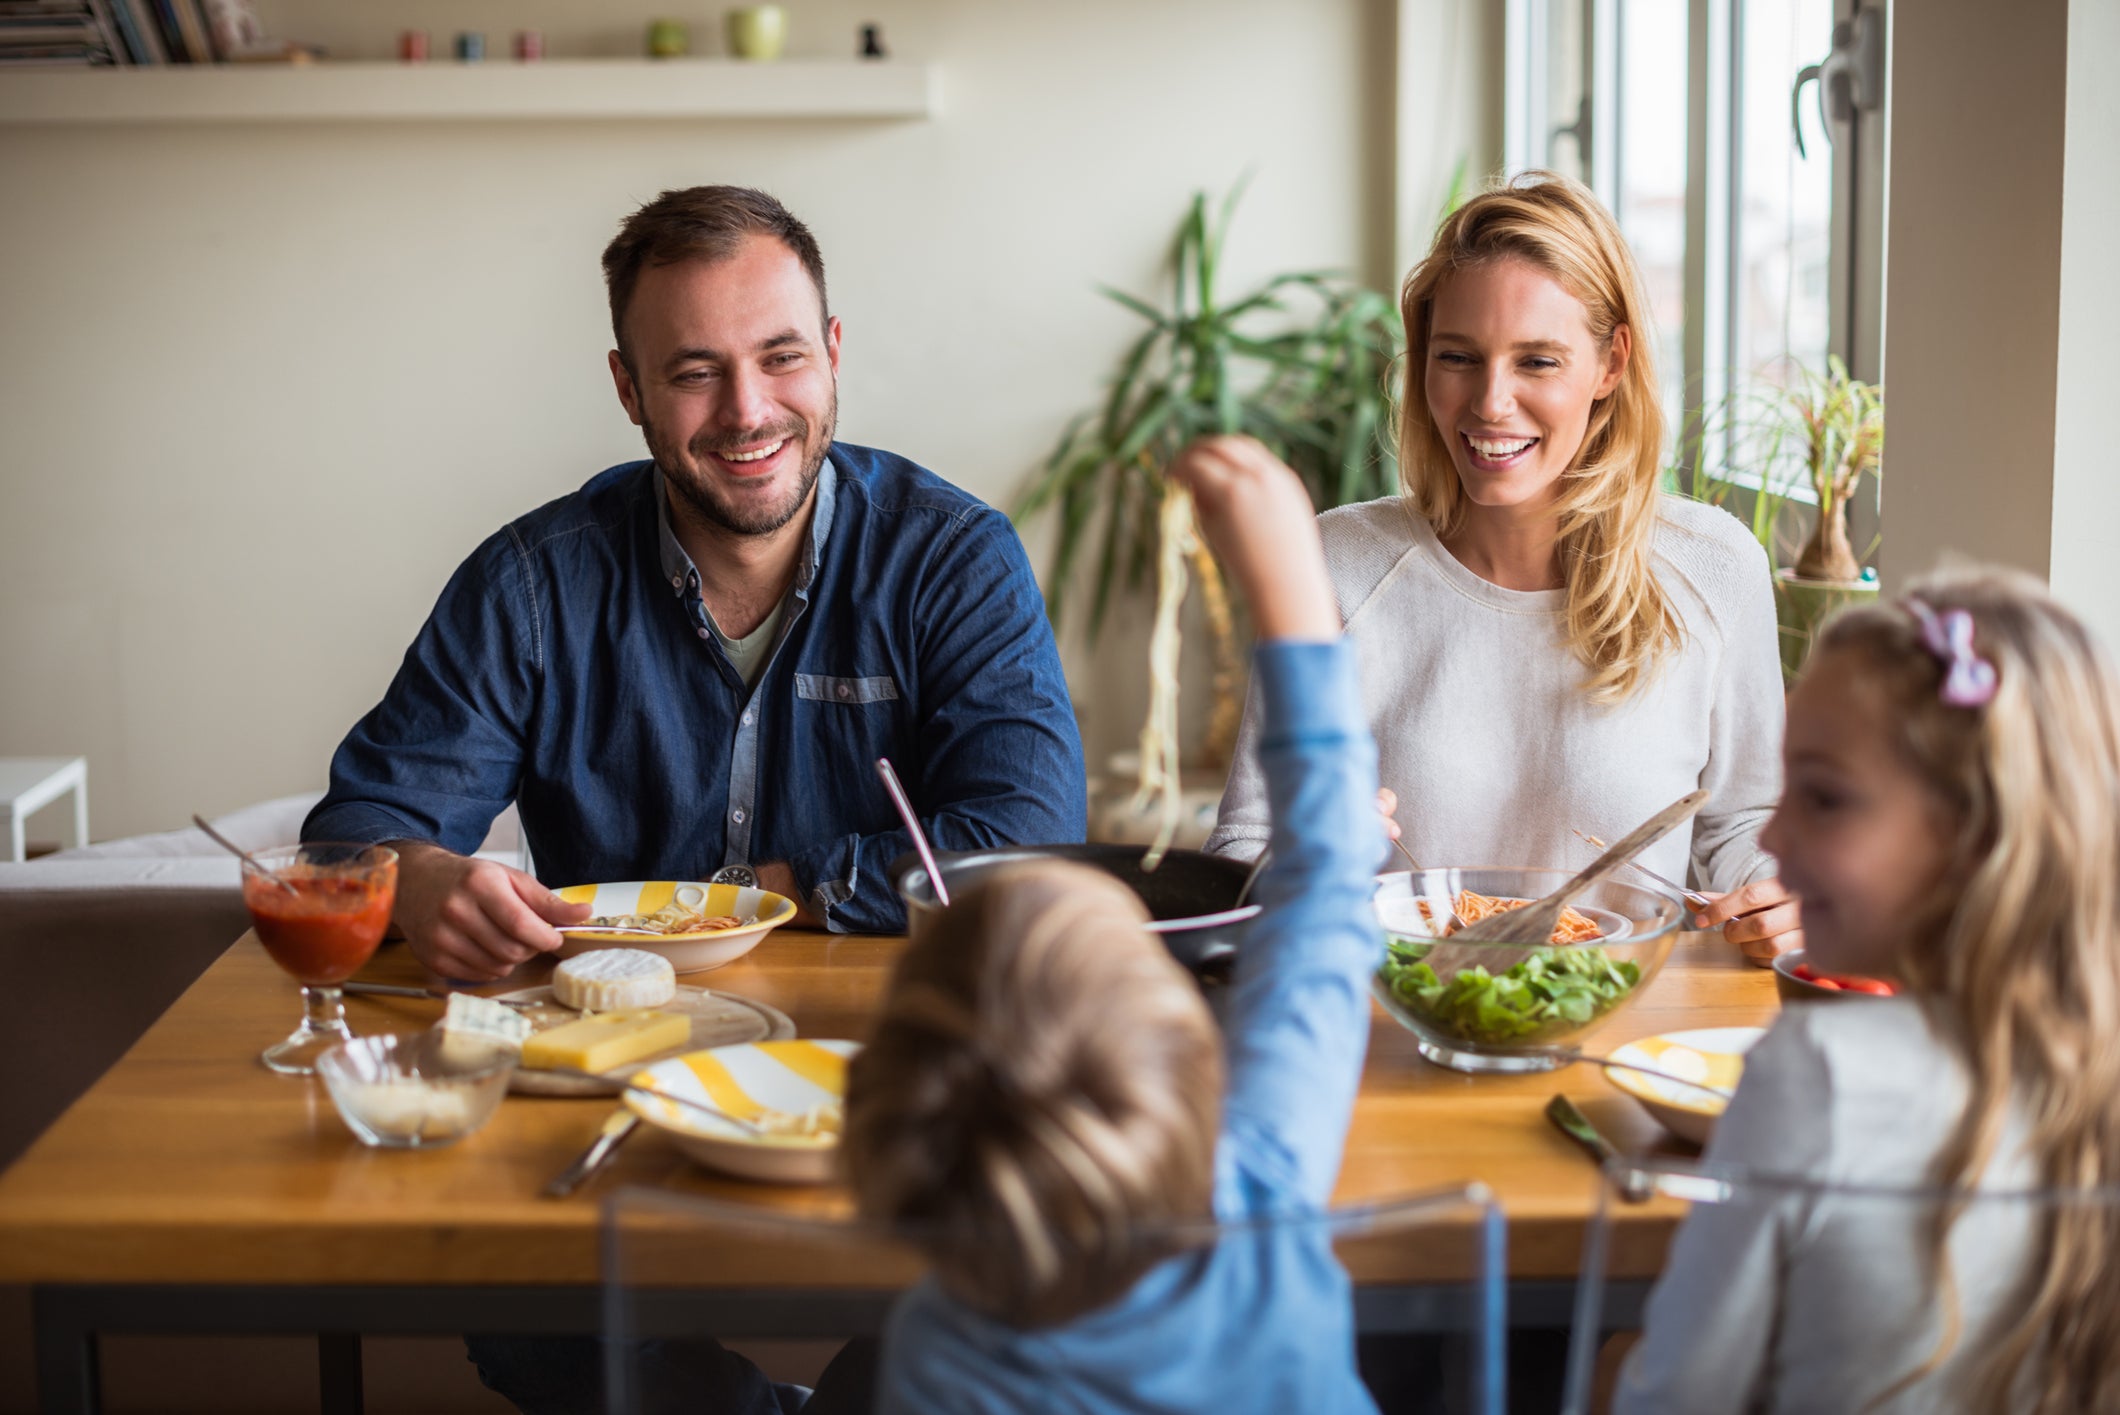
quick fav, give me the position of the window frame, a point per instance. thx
(1715, 97)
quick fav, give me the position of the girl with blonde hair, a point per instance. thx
(1952, 822)
(1548, 642)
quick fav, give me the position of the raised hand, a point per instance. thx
(1257, 519)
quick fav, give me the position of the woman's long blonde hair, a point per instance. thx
(1619, 621)
(2024, 961)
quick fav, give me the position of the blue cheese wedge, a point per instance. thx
(614, 980)
(477, 1031)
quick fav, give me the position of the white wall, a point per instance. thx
(1972, 284)
(262, 386)
(2001, 294)
(2086, 534)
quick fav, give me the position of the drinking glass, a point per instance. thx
(320, 909)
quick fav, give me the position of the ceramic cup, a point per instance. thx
(668, 39)
(758, 31)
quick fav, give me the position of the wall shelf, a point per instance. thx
(494, 90)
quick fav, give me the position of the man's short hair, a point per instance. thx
(700, 223)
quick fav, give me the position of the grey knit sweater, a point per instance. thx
(1482, 726)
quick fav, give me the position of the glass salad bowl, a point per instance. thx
(1517, 1006)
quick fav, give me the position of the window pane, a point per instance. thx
(1652, 177)
(1567, 93)
(1781, 319)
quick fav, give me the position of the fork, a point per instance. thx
(1693, 897)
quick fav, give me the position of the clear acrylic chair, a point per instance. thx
(1790, 1293)
(679, 1266)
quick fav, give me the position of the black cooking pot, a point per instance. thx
(1191, 896)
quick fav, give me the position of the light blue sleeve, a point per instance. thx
(1298, 1017)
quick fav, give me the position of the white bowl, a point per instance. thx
(688, 953)
(791, 1076)
(396, 1093)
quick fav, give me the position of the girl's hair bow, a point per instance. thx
(1968, 679)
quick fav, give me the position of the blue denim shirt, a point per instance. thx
(1265, 1319)
(570, 666)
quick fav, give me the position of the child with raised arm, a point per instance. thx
(1045, 1084)
(1951, 821)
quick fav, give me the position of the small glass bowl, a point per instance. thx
(1510, 1028)
(394, 1091)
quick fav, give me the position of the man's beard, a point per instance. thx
(703, 497)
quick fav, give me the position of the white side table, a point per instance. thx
(30, 783)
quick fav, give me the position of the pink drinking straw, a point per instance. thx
(912, 825)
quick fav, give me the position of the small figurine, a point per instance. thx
(872, 43)
(470, 46)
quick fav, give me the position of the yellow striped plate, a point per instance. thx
(1707, 1056)
(747, 1080)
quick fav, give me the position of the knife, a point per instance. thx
(621, 1124)
(438, 994)
(1569, 1119)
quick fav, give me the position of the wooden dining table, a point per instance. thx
(192, 1190)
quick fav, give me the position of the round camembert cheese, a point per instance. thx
(608, 979)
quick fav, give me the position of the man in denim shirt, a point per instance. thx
(688, 667)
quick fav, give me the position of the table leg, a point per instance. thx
(69, 1381)
(339, 1372)
(18, 845)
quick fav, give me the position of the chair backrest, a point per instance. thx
(1785, 1292)
(797, 1264)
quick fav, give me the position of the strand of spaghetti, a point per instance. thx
(1159, 734)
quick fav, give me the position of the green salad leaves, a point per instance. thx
(1555, 989)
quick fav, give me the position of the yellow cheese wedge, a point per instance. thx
(607, 1040)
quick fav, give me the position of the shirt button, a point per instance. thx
(677, 582)
(737, 815)
(702, 633)
(747, 719)
(845, 691)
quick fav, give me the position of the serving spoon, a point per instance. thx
(241, 854)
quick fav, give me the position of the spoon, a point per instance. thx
(912, 825)
(751, 1128)
(241, 854)
(1252, 877)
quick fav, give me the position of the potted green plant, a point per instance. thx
(1300, 362)
(1824, 431)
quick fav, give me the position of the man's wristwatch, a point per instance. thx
(742, 876)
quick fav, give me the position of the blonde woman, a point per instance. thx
(1951, 822)
(1548, 643)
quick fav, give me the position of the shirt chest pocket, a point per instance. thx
(818, 688)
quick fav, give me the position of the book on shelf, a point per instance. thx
(141, 13)
(34, 32)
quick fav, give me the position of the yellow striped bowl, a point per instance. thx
(688, 953)
(746, 1081)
